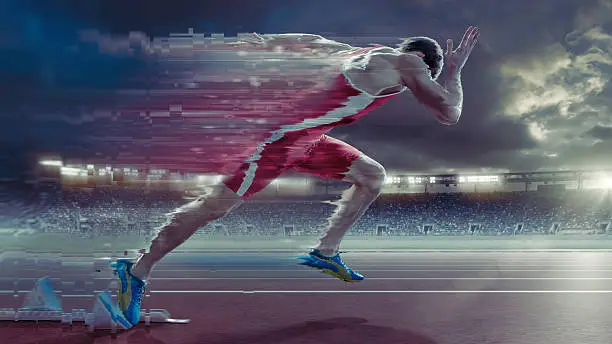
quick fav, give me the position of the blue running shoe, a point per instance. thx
(333, 266)
(131, 290)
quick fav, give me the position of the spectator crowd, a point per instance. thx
(121, 211)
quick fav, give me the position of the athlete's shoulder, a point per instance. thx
(412, 60)
(412, 67)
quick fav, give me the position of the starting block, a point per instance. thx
(42, 297)
(42, 304)
(94, 320)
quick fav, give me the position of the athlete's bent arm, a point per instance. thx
(446, 101)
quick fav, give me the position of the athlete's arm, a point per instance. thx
(297, 42)
(291, 41)
(445, 101)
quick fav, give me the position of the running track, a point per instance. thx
(412, 298)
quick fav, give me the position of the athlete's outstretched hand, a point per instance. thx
(456, 59)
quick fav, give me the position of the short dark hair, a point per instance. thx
(430, 48)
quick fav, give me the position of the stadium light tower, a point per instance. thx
(393, 180)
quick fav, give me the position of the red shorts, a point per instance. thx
(324, 157)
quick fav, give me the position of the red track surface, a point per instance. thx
(426, 298)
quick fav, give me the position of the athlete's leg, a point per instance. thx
(334, 159)
(253, 176)
(183, 222)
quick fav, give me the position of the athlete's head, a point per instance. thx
(429, 49)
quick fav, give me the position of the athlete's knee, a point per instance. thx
(368, 173)
(376, 179)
